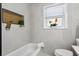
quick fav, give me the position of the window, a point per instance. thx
(55, 16)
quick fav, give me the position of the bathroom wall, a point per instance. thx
(75, 20)
(33, 31)
(16, 36)
(53, 39)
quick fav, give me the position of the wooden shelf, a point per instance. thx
(10, 16)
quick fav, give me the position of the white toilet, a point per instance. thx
(77, 41)
(63, 52)
(76, 47)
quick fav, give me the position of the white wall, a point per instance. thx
(16, 36)
(54, 39)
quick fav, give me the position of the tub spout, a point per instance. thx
(41, 44)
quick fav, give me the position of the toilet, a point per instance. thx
(63, 52)
(76, 47)
(77, 41)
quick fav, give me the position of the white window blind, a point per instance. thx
(55, 11)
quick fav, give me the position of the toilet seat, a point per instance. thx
(63, 52)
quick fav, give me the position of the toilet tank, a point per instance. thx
(77, 41)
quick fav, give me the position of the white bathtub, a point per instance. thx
(31, 49)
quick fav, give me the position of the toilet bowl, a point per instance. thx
(63, 52)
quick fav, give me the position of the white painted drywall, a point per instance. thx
(54, 39)
(16, 36)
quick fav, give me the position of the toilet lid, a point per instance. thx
(63, 52)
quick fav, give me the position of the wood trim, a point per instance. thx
(5, 10)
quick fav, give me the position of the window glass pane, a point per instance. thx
(55, 22)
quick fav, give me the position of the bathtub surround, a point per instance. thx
(54, 39)
(16, 36)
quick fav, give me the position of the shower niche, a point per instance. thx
(10, 17)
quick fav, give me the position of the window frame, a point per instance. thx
(65, 15)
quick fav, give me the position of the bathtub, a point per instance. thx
(31, 49)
